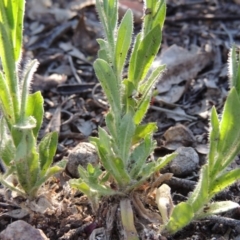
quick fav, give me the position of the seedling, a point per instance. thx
(215, 175)
(28, 164)
(126, 143)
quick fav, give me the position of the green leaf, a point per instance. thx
(90, 186)
(142, 109)
(104, 138)
(7, 29)
(147, 171)
(28, 75)
(103, 51)
(234, 68)
(14, 15)
(139, 156)
(109, 84)
(229, 144)
(123, 42)
(51, 172)
(133, 59)
(18, 13)
(200, 195)
(111, 163)
(146, 52)
(129, 103)
(47, 149)
(142, 131)
(7, 148)
(108, 14)
(111, 124)
(224, 180)
(111, 12)
(146, 94)
(6, 50)
(155, 15)
(181, 216)
(6, 100)
(35, 108)
(216, 208)
(126, 131)
(163, 161)
(16, 131)
(213, 139)
(149, 83)
(27, 161)
(81, 186)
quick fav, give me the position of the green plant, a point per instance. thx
(215, 175)
(126, 143)
(28, 165)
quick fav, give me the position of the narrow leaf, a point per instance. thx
(181, 216)
(229, 144)
(112, 164)
(139, 156)
(133, 59)
(124, 37)
(47, 149)
(27, 162)
(213, 139)
(7, 148)
(35, 108)
(6, 100)
(103, 51)
(200, 195)
(146, 53)
(28, 75)
(216, 208)
(234, 69)
(146, 93)
(142, 131)
(126, 131)
(224, 181)
(163, 161)
(109, 83)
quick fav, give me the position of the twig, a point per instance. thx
(224, 220)
(74, 70)
(202, 18)
(228, 33)
(179, 182)
(172, 112)
(96, 99)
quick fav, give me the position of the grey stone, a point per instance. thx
(21, 230)
(82, 154)
(185, 163)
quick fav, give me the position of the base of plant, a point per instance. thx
(132, 217)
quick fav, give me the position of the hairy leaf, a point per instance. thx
(181, 216)
(124, 38)
(109, 83)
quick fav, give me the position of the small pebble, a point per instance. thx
(82, 154)
(20, 230)
(185, 162)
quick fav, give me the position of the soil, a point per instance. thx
(62, 36)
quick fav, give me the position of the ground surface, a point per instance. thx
(195, 44)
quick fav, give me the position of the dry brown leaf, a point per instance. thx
(178, 135)
(178, 114)
(46, 83)
(16, 213)
(135, 6)
(85, 37)
(182, 65)
(173, 95)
